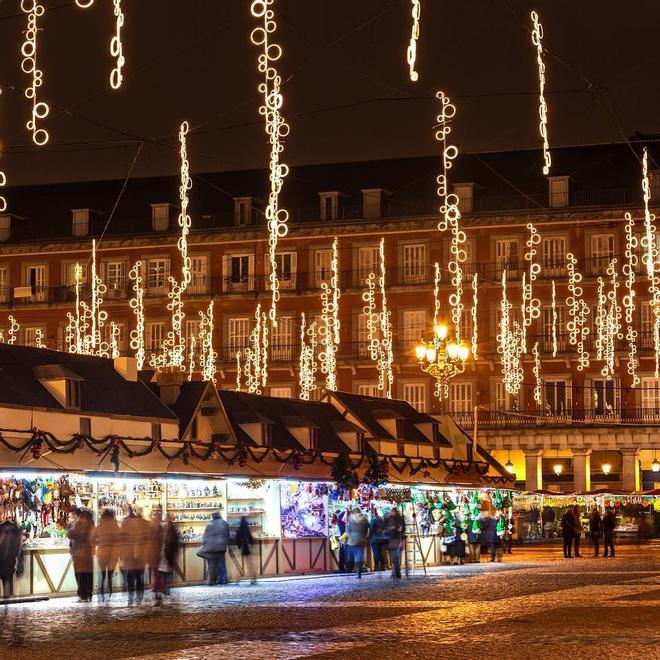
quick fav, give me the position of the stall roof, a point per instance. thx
(284, 414)
(103, 390)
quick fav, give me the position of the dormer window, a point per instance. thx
(372, 202)
(160, 217)
(5, 227)
(62, 384)
(329, 205)
(80, 222)
(465, 192)
(72, 393)
(242, 211)
(654, 185)
(558, 191)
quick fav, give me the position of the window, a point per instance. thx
(602, 251)
(322, 267)
(371, 202)
(466, 326)
(5, 227)
(460, 397)
(416, 394)
(154, 336)
(238, 272)
(4, 283)
(414, 328)
(503, 400)
(645, 336)
(242, 211)
(80, 219)
(35, 277)
(369, 389)
(191, 331)
(74, 272)
(238, 335)
(156, 431)
(506, 256)
(362, 336)
(329, 205)
(562, 339)
(72, 393)
(282, 392)
(465, 192)
(415, 264)
(650, 397)
(86, 426)
(281, 341)
(111, 333)
(33, 336)
(605, 398)
(199, 272)
(654, 185)
(367, 258)
(160, 217)
(286, 269)
(557, 398)
(554, 256)
(158, 271)
(115, 279)
(558, 191)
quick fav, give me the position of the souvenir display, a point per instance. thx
(304, 509)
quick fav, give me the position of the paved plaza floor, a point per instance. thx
(533, 605)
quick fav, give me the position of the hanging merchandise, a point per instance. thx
(377, 472)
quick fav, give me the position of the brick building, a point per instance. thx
(589, 419)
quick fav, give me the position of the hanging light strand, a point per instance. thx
(537, 40)
(510, 340)
(531, 307)
(3, 183)
(411, 54)
(537, 376)
(208, 355)
(276, 129)
(12, 332)
(386, 358)
(137, 305)
(238, 371)
(34, 11)
(632, 261)
(256, 360)
(578, 311)
(330, 324)
(308, 365)
(117, 48)
(554, 320)
(184, 220)
(613, 323)
(474, 314)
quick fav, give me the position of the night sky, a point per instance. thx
(347, 92)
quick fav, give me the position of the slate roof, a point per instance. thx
(278, 412)
(601, 175)
(370, 409)
(191, 395)
(102, 389)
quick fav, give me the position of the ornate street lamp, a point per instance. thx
(442, 358)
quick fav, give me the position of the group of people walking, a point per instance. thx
(143, 550)
(600, 527)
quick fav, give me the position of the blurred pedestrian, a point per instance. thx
(377, 540)
(492, 538)
(507, 537)
(456, 549)
(214, 549)
(357, 529)
(345, 565)
(595, 529)
(568, 532)
(80, 534)
(548, 520)
(578, 528)
(167, 561)
(394, 530)
(135, 534)
(106, 541)
(244, 541)
(609, 523)
(11, 556)
(474, 541)
(154, 545)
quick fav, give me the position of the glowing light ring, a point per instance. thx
(537, 375)
(411, 54)
(117, 48)
(554, 320)
(474, 315)
(276, 129)
(137, 305)
(330, 324)
(84, 4)
(578, 311)
(209, 355)
(40, 109)
(184, 218)
(307, 363)
(12, 332)
(537, 40)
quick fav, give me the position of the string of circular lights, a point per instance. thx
(537, 40)
(411, 53)
(136, 304)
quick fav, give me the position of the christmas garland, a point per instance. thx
(111, 447)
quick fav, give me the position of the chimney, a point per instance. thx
(126, 367)
(372, 202)
(169, 385)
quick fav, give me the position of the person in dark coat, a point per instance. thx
(595, 529)
(345, 562)
(244, 541)
(568, 532)
(609, 523)
(377, 540)
(474, 542)
(548, 520)
(214, 549)
(80, 535)
(578, 530)
(456, 549)
(11, 556)
(395, 529)
(167, 561)
(357, 529)
(492, 538)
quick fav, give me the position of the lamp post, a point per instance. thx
(442, 358)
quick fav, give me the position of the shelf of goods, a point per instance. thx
(192, 503)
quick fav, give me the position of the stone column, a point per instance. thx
(630, 469)
(581, 469)
(533, 469)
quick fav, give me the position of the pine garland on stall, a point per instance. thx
(343, 473)
(377, 472)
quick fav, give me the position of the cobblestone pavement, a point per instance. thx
(534, 605)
